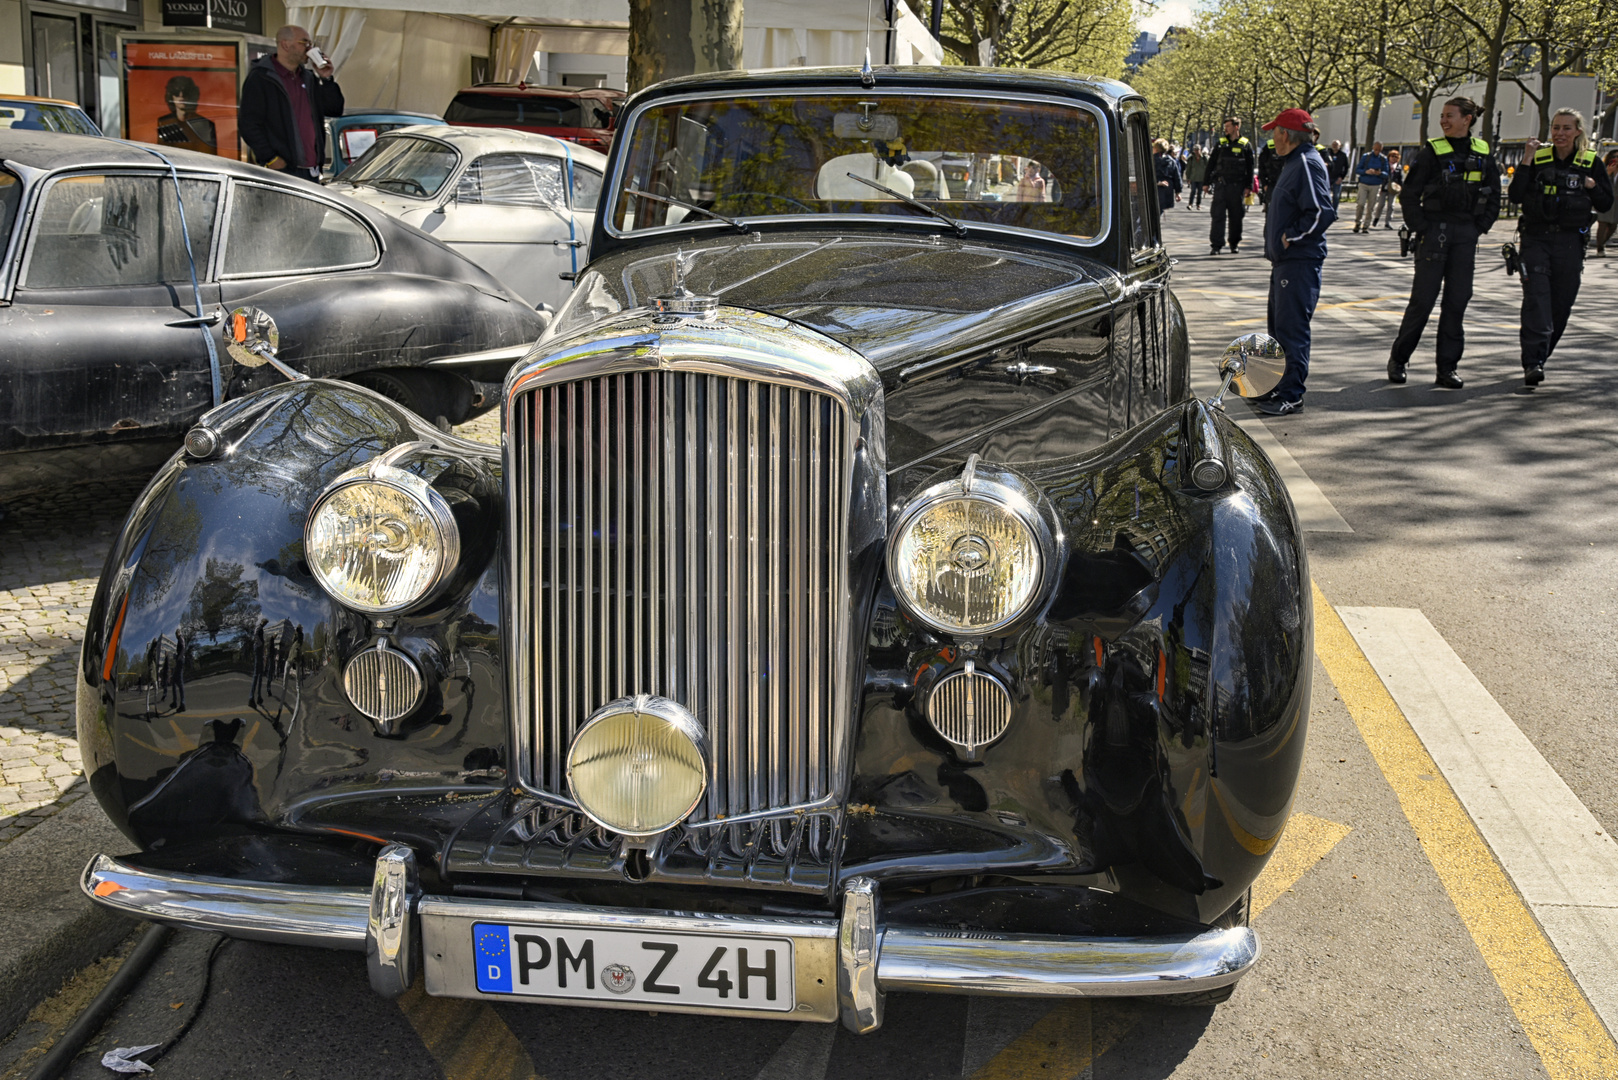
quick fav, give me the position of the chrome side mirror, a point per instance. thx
(1253, 364)
(251, 339)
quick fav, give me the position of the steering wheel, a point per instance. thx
(739, 195)
(415, 188)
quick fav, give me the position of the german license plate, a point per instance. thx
(710, 971)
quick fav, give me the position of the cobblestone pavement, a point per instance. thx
(51, 551)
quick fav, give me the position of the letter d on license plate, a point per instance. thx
(711, 971)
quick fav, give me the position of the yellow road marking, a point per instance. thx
(1569, 1037)
(1064, 1043)
(1307, 840)
(467, 1038)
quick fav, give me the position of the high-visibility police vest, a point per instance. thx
(1456, 186)
(1269, 164)
(1557, 195)
(1232, 168)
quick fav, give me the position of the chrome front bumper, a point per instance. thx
(858, 954)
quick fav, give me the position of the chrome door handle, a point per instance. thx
(1022, 370)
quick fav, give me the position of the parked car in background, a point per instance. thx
(106, 355)
(859, 600)
(584, 115)
(23, 113)
(354, 133)
(521, 206)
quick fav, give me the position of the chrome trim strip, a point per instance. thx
(514, 352)
(1105, 137)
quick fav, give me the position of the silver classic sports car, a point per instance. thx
(859, 602)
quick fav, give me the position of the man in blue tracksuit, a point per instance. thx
(1295, 244)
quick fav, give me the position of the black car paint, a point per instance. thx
(1161, 697)
(82, 368)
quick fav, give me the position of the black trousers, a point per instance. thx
(1227, 200)
(1446, 256)
(1552, 264)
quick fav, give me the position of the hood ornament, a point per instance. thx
(682, 301)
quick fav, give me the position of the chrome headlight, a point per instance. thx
(972, 555)
(637, 766)
(379, 539)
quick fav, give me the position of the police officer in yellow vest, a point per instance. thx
(1451, 197)
(1269, 171)
(1230, 171)
(1561, 187)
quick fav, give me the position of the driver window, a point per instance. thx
(96, 231)
(1142, 184)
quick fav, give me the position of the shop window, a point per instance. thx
(99, 231)
(277, 232)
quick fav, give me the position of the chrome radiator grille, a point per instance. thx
(683, 534)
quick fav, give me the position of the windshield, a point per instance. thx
(404, 165)
(45, 116)
(1030, 165)
(529, 111)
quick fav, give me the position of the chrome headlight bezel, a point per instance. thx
(670, 713)
(1008, 492)
(433, 505)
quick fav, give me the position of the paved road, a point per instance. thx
(1486, 512)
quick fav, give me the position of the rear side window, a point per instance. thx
(277, 232)
(529, 111)
(96, 231)
(513, 180)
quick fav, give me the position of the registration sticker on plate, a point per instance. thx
(707, 970)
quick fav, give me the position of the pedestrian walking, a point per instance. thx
(1607, 220)
(1230, 169)
(1196, 175)
(1269, 167)
(1451, 197)
(1388, 200)
(1336, 171)
(285, 105)
(1560, 187)
(1295, 243)
(1372, 174)
(1168, 175)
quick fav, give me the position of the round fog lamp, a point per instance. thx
(637, 766)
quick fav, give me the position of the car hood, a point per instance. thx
(898, 300)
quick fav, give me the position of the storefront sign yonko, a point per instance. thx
(245, 16)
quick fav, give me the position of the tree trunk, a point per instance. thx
(1496, 48)
(1373, 115)
(668, 38)
(1427, 112)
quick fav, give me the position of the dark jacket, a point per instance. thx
(1231, 162)
(1196, 170)
(1336, 165)
(1433, 180)
(1168, 171)
(1300, 209)
(1552, 194)
(265, 119)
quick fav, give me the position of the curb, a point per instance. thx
(48, 928)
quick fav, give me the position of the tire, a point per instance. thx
(1240, 914)
(446, 400)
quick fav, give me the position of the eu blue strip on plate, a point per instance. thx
(491, 951)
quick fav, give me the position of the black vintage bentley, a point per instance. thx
(120, 271)
(858, 601)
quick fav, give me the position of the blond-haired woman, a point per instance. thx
(1561, 187)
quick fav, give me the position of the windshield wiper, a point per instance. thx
(739, 226)
(960, 229)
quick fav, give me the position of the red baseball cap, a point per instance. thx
(1291, 119)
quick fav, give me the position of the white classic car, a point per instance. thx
(518, 204)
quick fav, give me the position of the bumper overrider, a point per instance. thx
(833, 968)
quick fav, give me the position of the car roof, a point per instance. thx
(600, 93)
(1108, 92)
(58, 150)
(41, 100)
(487, 140)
